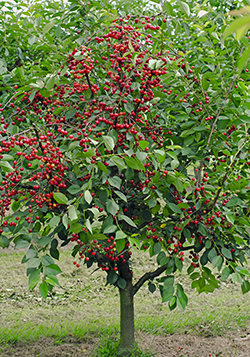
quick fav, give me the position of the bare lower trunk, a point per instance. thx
(127, 329)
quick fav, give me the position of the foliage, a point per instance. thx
(119, 132)
(240, 26)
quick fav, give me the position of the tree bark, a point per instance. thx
(127, 329)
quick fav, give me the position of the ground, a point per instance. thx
(161, 346)
(84, 314)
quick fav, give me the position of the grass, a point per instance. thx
(109, 348)
(84, 306)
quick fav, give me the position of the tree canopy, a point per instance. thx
(125, 126)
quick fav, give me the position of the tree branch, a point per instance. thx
(153, 274)
(38, 139)
(148, 276)
(89, 84)
(212, 128)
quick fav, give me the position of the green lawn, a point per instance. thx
(84, 306)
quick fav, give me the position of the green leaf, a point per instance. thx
(160, 256)
(4, 242)
(179, 185)
(50, 83)
(174, 164)
(74, 189)
(75, 228)
(47, 260)
(217, 261)
(22, 243)
(52, 269)
(72, 213)
(243, 59)
(58, 31)
(48, 26)
(134, 163)
(168, 281)
(178, 263)
(115, 181)
(152, 203)
(225, 273)
(65, 220)
(212, 253)
(131, 162)
(128, 107)
(6, 166)
(194, 275)
(34, 278)
(235, 277)
(146, 216)
(174, 207)
(157, 248)
(33, 263)
(70, 113)
(245, 286)
(172, 303)
(110, 229)
(43, 289)
(121, 195)
(88, 225)
(52, 280)
(7, 157)
(44, 240)
(44, 92)
(119, 162)
(127, 219)
(108, 142)
(112, 207)
(237, 24)
(168, 8)
(234, 201)
(141, 155)
(168, 293)
(87, 196)
(143, 144)
(182, 299)
(226, 252)
(54, 221)
(202, 229)
(99, 236)
(121, 283)
(208, 244)
(151, 287)
(120, 245)
(60, 198)
(120, 235)
(112, 277)
(184, 8)
(102, 167)
(230, 218)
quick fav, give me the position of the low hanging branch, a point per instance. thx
(148, 276)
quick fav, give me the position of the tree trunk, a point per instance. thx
(127, 329)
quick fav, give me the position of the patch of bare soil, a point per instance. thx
(47, 347)
(176, 345)
(180, 345)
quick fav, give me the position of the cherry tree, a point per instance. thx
(122, 131)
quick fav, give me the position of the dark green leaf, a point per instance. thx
(121, 283)
(151, 287)
(43, 289)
